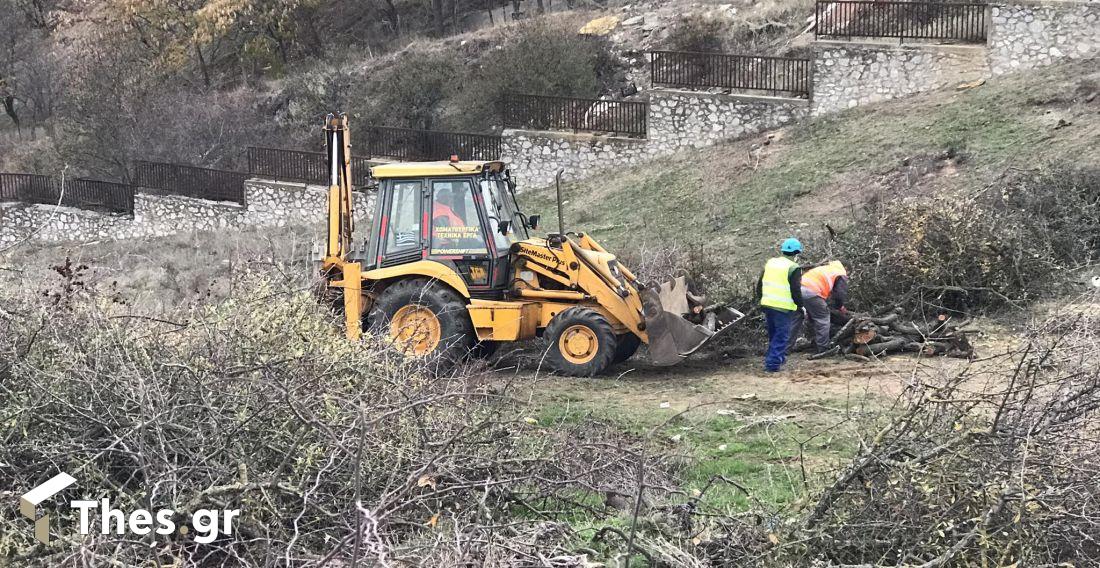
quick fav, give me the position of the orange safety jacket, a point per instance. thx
(442, 211)
(820, 280)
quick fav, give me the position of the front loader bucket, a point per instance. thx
(672, 337)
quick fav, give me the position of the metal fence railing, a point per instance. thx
(541, 112)
(94, 194)
(726, 70)
(296, 165)
(80, 193)
(412, 145)
(17, 187)
(964, 22)
(190, 181)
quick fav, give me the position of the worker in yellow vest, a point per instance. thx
(780, 293)
(822, 286)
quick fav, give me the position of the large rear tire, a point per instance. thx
(582, 342)
(626, 347)
(424, 319)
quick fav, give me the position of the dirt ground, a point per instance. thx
(715, 380)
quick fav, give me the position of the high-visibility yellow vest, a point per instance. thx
(776, 286)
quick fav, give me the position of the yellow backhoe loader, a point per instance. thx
(449, 270)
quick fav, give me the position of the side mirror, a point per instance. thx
(503, 226)
(533, 222)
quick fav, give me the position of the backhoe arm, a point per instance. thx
(340, 225)
(340, 206)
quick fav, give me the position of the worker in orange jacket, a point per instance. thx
(821, 286)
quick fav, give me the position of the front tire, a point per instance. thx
(582, 342)
(424, 319)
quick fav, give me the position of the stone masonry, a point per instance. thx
(1029, 34)
(677, 120)
(155, 215)
(849, 74)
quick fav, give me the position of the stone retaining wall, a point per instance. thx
(1029, 34)
(267, 204)
(677, 120)
(849, 74)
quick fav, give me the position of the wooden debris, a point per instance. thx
(865, 337)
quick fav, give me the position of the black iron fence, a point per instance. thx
(93, 194)
(296, 165)
(949, 21)
(730, 71)
(19, 187)
(412, 145)
(540, 112)
(190, 181)
(80, 193)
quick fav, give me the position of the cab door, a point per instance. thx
(401, 224)
(458, 232)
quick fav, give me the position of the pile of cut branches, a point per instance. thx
(335, 453)
(866, 336)
(992, 465)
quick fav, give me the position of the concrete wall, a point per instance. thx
(849, 74)
(267, 204)
(677, 120)
(1029, 34)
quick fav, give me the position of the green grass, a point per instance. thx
(765, 460)
(718, 197)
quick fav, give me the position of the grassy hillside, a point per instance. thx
(739, 198)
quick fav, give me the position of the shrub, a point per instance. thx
(411, 92)
(698, 32)
(544, 59)
(989, 250)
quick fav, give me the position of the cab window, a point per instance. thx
(403, 232)
(456, 226)
(499, 209)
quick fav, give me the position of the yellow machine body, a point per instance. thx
(517, 288)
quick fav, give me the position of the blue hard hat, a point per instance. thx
(791, 245)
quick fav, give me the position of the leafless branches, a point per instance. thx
(982, 468)
(334, 452)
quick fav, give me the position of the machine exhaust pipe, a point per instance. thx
(561, 215)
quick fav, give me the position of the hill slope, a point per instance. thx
(741, 197)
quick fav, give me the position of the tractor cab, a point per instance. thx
(462, 214)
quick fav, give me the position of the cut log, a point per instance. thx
(827, 353)
(865, 336)
(886, 320)
(885, 348)
(905, 329)
(845, 332)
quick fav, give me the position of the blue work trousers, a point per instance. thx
(779, 335)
